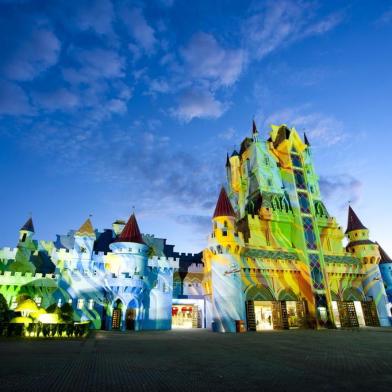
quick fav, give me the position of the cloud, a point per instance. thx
(341, 187)
(385, 18)
(197, 103)
(32, 54)
(229, 134)
(137, 25)
(166, 3)
(117, 106)
(156, 86)
(95, 64)
(323, 26)
(319, 127)
(148, 167)
(13, 100)
(281, 22)
(201, 223)
(206, 59)
(60, 99)
(96, 15)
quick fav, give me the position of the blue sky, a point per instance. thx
(105, 105)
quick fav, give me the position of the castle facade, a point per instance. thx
(275, 259)
(275, 256)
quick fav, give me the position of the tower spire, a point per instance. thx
(306, 140)
(131, 232)
(255, 132)
(28, 226)
(354, 222)
(223, 206)
(86, 229)
(384, 257)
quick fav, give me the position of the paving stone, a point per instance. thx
(199, 360)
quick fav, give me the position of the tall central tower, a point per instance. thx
(289, 265)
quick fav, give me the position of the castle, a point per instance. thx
(275, 259)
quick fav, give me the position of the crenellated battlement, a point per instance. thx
(8, 253)
(164, 262)
(196, 268)
(124, 280)
(19, 278)
(183, 254)
(101, 254)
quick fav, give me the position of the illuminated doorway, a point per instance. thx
(184, 316)
(336, 315)
(130, 318)
(295, 314)
(116, 314)
(263, 315)
(359, 312)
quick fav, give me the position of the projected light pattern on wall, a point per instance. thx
(275, 257)
(125, 282)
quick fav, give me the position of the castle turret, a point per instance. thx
(234, 166)
(359, 242)
(385, 266)
(26, 232)
(361, 247)
(25, 247)
(130, 251)
(118, 226)
(224, 220)
(222, 267)
(84, 244)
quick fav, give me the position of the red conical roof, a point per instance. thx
(353, 221)
(223, 206)
(131, 232)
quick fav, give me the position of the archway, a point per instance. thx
(259, 293)
(117, 314)
(353, 294)
(130, 315)
(287, 295)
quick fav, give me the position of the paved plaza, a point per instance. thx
(199, 360)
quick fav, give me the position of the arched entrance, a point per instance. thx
(260, 308)
(292, 308)
(117, 314)
(130, 316)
